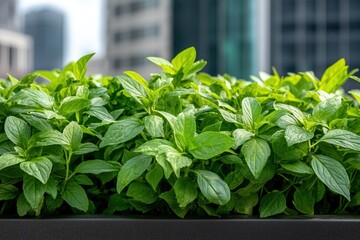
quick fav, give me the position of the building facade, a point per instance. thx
(137, 29)
(313, 34)
(140, 28)
(15, 47)
(46, 26)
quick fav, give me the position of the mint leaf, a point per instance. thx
(256, 152)
(17, 131)
(295, 134)
(212, 187)
(96, 167)
(39, 168)
(342, 138)
(332, 174)
(271, 204)
(75, 196)
(207, 145)
(251, 112)
(154, 125)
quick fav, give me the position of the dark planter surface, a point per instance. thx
(99, 227)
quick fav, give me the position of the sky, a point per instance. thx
(83, 25)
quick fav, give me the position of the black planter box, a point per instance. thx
(145, 228)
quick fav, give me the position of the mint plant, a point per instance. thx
(181, 142)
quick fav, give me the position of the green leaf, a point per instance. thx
(281, 148)
(75, 196)
(131, 170)
(297, 167)
(241, 136)
(73, 104)
(32, 97)
(295, 134)
(212, 187)
(122, 131)
(185, 191)
(297, 113)
(184, 59)
(39, 168)
(332, 174)
(327, 110)
(33, 191)
(342, 138)
(135, 89)
(96, 167)
(83, 179)
(246, 204)
(229, 117)
(85, 148)
(170, 199)
(169, 117)
(153, 147)
(74, 134)
(8, 159)
(334, 77)
(39, 123)
(304, 201)
(207, 145)
(22, 206)
(172, 156)
(234, 179)
(141, 192)
(17, 131)
(251, 112)
(184, 130)
(48, 138)
(137, 77)
(8, 191)
(163, 63)
(256, 152)
(100, 113)
(271, 204)
(154, 125)
(51, 187)
(80, 66)
(154, 176)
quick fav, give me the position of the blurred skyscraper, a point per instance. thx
(46, 26)
(229, 34)
(313, 34)
(15, 47)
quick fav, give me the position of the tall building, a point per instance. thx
(8, 14)
(224, 32)
(137, 29)
(15, 47)
(46, 26)
(313, 34)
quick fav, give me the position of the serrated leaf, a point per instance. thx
(85, 148)
(39, 168)
(295, 134)
(184, 59)
(131, 170)
(251, 112)
(122, 131)
(141, 192)
(74, 134)
(96, 167)
(207, 145)
(256, 152)
(229, 117)
(297, 167)
(154, 125)
(8, 159)
(33, 191)
(8, 191)
(342, 138)
(73, 104)
(184, 130)
(17, 131)
(185, 191)
(48, 138)
(135, 89)
(241, 136)
(154, 176)
(332, 174)
(271, 204)
(75, 196)
(213, 187)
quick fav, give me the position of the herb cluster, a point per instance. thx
(182, 142)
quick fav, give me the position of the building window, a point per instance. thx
(140, 5)
(119, 10)
(118, 63)
(137, 61)
(12, 57)
(140, 33)
(119, 37)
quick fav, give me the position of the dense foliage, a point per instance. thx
(181, 142)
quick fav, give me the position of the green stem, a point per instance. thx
(68, 158)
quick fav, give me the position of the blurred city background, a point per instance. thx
(238, 37)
